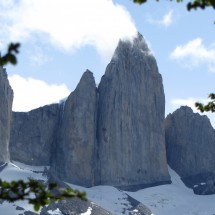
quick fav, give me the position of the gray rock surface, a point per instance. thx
(29, 213)
(33, 134)
(74, 152)
(75, 206)
(6, 100)
(130, 129)
(205, 188)
(113, 135)
(190, 141)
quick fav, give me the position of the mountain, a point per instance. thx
(190, 143)
(114, 133)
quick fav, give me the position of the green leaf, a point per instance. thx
(36, 207)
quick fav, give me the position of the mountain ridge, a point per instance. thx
(111, 135)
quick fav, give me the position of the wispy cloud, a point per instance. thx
(178, 102)
(38, 57)
(68, 24)
(166, 20)
(31, 93)
(195, 53)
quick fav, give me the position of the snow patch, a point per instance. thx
(55, 212)
(88, 212)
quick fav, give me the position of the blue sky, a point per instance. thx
(62, 38)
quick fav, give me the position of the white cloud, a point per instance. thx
(195, 53)
(30, 93)
(177, 103)
(68, 24)
(166, 20)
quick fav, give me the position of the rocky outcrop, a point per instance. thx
(112, 135)
(33, 134)
(73, 155)
(205, 188)
(190, 141)
(6, 100)
(74, 206)
(130, 129)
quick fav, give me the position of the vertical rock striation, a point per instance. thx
(190, 141)
(130, 129)
(6, 100)
(112, 135)
(73, 158)
(33, 134)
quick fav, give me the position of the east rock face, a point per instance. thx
(130, 128)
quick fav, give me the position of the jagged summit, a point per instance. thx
(140, 43)
(186, 111)
(135, 47)
(133, 56)
(86, 80)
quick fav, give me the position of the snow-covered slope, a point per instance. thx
(114, 200)
(16, 171)
(172, 199)
(175, 199)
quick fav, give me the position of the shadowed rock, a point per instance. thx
(33, 134)
(73, 158)
(6, 100)
(190, 141)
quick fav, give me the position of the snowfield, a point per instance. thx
(172, 199)
(175, 199)
(16, 171)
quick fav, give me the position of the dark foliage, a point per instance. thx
(208, 107)
(35, 192)
(190, 5)
(10, 56)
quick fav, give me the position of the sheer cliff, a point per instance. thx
(6, 100)
(113, 134)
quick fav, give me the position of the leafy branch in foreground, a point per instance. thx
(201, 4)
(35, 192)
(190, 5)
(208, 107)
(10, 56)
